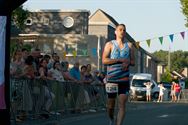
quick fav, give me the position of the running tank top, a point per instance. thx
(115, 73)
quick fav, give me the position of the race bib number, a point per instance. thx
(111, 88)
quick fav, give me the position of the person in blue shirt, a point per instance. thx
(75, 72)
(75, 87)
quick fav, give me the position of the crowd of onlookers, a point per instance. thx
(31, 64)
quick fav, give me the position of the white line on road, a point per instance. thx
(163, 116)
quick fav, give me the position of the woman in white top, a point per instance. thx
(56, 73)
(148, 90)
(161, 92)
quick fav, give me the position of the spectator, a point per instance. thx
(75, 72)
(16, 66)
(25, 54)
(55, 58)
(56, 73)
(48, 95)
(173, 96)
(148, 90)
(65, 71)
(161, 92)
(177, 89)
(29, 70)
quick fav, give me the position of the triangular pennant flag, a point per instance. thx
(161, 39)
(64, 54)
(137, 45)
(148, 42)
(74, 53)
(84, 52)
(182, 34)
(171, 37)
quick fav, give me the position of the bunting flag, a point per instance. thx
(137, 45)
(94, 52)
(84, 52)
(74, 53)
(182, 34)
(161, 40)
(64, 54)
(171, 37)
(148, 42)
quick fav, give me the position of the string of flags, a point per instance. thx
(161, 38)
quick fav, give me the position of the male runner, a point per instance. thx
(118, 55)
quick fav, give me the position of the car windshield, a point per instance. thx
(139, 82)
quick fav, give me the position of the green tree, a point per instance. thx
(18, 17)
(178, 60)
(184, 8)
(166, 77)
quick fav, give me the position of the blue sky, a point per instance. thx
(145, 19)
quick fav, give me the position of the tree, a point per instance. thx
(179, 59)
(184, 8)
(19, 16)
(166, 77)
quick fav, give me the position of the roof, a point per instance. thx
(106, 17)
(61, 10)
(109, 17)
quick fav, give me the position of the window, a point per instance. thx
(29, 21)
(69, 49)
(80, 48)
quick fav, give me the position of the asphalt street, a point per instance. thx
(138, 113)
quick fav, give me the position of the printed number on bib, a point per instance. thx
(111, 88)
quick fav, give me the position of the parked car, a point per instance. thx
(138, 89)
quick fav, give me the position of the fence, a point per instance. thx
(34, 97)
(184, 96)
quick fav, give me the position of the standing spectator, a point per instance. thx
(55, 58)
(177, 89)
(36, 56)
(25, 54)
(173, 96)
(148, 90)
(56, 72)
(161, 92)
(75, 73)
(16, 66)
(48, 95)
(65, 71)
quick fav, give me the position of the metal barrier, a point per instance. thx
(183, 96)
(35, 96)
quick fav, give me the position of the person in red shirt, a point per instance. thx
(177, 89)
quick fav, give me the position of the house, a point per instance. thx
(75, 35)
(184, 72)
(102, 24)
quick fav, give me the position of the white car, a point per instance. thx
(138, 89)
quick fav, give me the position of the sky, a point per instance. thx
(144, 19)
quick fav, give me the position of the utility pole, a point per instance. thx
(169, 57)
